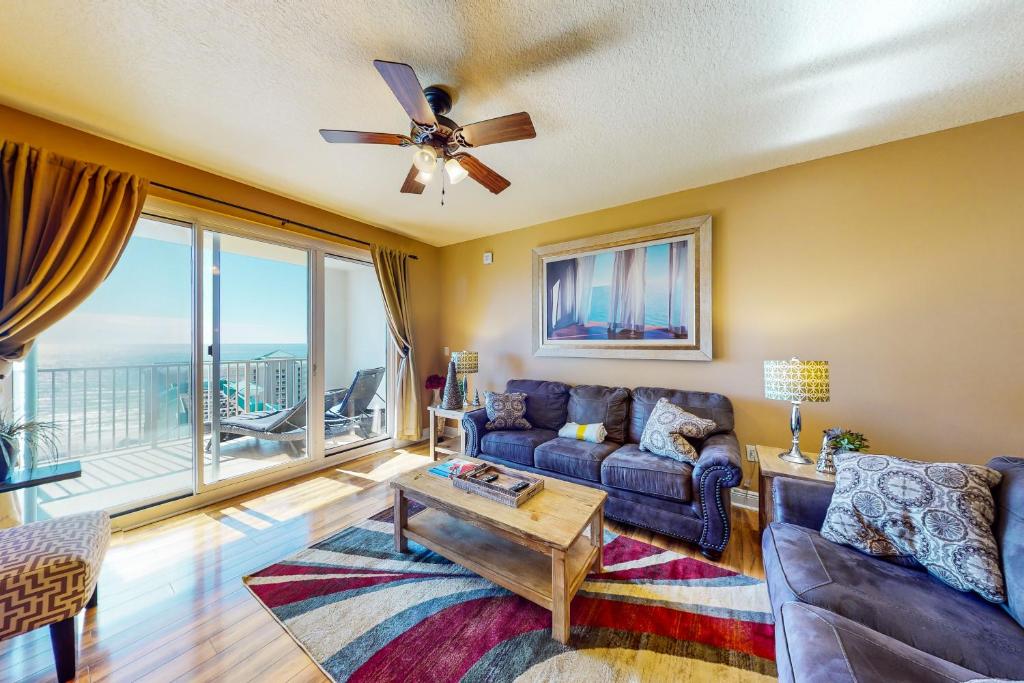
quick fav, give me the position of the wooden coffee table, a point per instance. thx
(537, 551)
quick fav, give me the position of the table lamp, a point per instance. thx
(796, 380)
(468, 363)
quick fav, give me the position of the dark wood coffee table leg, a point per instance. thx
(401, 517)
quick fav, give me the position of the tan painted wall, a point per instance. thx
(23, 127)
(902, 265)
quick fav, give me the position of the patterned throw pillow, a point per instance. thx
(506, 411)
(939, 514)
(667, 428)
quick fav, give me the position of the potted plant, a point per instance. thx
(838, 440)
(39, 437)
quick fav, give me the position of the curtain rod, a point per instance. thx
(282, 219)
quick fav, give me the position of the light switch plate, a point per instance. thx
(751, 453)
(488, 258)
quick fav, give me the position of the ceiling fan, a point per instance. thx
(435, 136)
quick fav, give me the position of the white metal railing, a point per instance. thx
(106, 408)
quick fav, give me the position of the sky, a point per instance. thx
(147, 298)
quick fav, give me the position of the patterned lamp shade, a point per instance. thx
(796, 380)
(466, 362)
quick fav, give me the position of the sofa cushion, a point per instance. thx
(631, 469)
(1009, 530)
(545, 401)
(939, 514)
(506, 411)
(817, 646)
(901, 602)
(669, 429)
(608, 405)
(515, 446)
(579, 459)
(709, 406)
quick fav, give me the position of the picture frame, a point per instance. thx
(642, 293)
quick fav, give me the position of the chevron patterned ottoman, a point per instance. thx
(48, 573)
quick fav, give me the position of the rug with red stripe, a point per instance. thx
(366, 613)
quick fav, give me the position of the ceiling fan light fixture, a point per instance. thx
(423, 177)
(424, 159)
(456, 173)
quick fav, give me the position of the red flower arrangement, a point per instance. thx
(435, 382)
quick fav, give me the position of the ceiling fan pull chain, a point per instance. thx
(442, 185)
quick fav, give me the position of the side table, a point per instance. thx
(447, 446)
(772, 466)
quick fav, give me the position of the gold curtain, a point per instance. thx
(63, 226)
(392, 268)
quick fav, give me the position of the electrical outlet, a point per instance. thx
(447, 352)
(751, 453)
(488, 258)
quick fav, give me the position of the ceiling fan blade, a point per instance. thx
(370, 138)
(411, 185)
(502, 129)
(482, 174)
(406, 87)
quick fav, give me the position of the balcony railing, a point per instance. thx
(108, 408)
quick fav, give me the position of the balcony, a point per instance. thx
(131, 428)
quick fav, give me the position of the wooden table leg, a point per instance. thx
(763, 488)
(597, 538)
(559, 598)
(401, 517)
(433, 435)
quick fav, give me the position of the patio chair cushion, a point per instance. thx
(48, 570)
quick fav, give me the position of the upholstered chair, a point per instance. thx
(48, 573)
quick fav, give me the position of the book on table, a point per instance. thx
(452, 468)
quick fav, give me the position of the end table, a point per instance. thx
(447, 446)
(773, 466)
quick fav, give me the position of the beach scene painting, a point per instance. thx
(618, 296)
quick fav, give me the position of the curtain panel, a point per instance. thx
(63, 226)
(627, 298)
(392, 268)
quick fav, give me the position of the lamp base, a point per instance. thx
(795, 456)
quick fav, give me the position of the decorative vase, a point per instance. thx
(452, 393)
(8, 458)
(826, 458)
(437, 397)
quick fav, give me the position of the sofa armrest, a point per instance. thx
(717, 469)
(720, 454)
(473, 423)
(800, 502)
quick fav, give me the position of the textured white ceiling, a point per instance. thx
(629, 99)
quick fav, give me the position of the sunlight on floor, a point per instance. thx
(403, 461)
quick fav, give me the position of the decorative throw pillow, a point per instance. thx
(506, 411)
(939, 514)
(666, 429)
(594, 433)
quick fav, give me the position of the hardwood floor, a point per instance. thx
(172, 604)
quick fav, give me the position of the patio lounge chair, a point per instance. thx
(349, 408)
(285, 424)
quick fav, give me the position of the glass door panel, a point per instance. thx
(114, 378)
(256, 368)
(355, 354)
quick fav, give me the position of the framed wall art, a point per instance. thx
(639, 293)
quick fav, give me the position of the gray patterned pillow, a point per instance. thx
(939, 514)
(667, 428)
(506, 411)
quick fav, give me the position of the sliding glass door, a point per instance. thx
(209, 356)
(114, 378)
(355, 354)
(256, 367)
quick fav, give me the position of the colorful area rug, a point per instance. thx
(366, 613)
